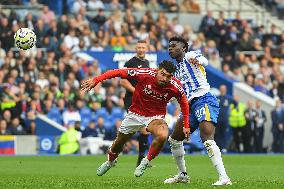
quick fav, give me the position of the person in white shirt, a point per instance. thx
(95, 5)
(72, 41)
(71, 114)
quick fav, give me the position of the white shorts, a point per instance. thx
(134, 122)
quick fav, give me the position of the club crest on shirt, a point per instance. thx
(131, 72)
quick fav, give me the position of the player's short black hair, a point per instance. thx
(168, 66)
(180, 39)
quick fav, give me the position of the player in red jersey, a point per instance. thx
(154, 89)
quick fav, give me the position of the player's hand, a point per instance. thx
(186, 132)
(88, 84)
(193, 61)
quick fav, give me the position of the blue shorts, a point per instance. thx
(203, 108)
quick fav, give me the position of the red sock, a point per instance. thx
(112, 156)
(153, 152)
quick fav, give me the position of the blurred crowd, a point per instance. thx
(242, 126)
(46, 80)
(249, 53)
(73, 6)
(275, 6)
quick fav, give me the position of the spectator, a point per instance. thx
(8, 99)
(90, 131)
(260, 85)
(68, 142)
(260, 119)
(16, 127)
(207, 24)
(176, 27)
(250, 115)
(115, 5)
(101, 128)
(171, 5)
(6, 34)
(78, 5)
(222, 131)
(111, 134)
(118, 42)
(3, 128)
(237, 121)
(47, 15)
(42, 81)
(99, 20)
(190, 6)
(153, 5)
(72, 81)
(71, 114)
(139, 5)
(95, 5)
(96, 46)
(30, 21)
(72, 41)
(277, 128)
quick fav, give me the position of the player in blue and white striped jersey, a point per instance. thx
(204, 110)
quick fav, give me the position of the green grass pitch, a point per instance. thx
(247, 171)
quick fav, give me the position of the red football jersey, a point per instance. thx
(149, 99)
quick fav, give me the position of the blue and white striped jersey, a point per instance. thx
(193, 76)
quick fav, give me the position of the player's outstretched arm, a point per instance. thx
(185, 112)
(88, 84)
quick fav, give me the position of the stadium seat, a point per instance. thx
(117, 113)
(102, 113)
(85, 112)
(85, 122)
(86, 116)
(108, 125)
(55, 115)
(94, 117)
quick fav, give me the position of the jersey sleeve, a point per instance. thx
(198, 56)
(182, 100)
(111, 74)
(185, 110)
(178, 89)
(126, 73)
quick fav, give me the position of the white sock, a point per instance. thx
(215, 156)
(178, 154)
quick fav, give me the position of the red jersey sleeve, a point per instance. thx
(182, 100)
(185, 110)
(126, 73)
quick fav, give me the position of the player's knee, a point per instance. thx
(175, 143)
(163, 137)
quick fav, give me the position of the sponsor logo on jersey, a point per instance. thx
(148, 91)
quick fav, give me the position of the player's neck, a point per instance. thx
(179, 59)
(141, 58)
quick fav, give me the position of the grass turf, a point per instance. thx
(247, 171)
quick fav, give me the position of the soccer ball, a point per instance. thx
(25, 38)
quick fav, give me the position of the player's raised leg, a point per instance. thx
(113, 152)
(207, 130)
(160, 131)
(143, 145)
(177, 149)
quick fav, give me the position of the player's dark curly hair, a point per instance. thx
(180, 39)
(168, 66)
